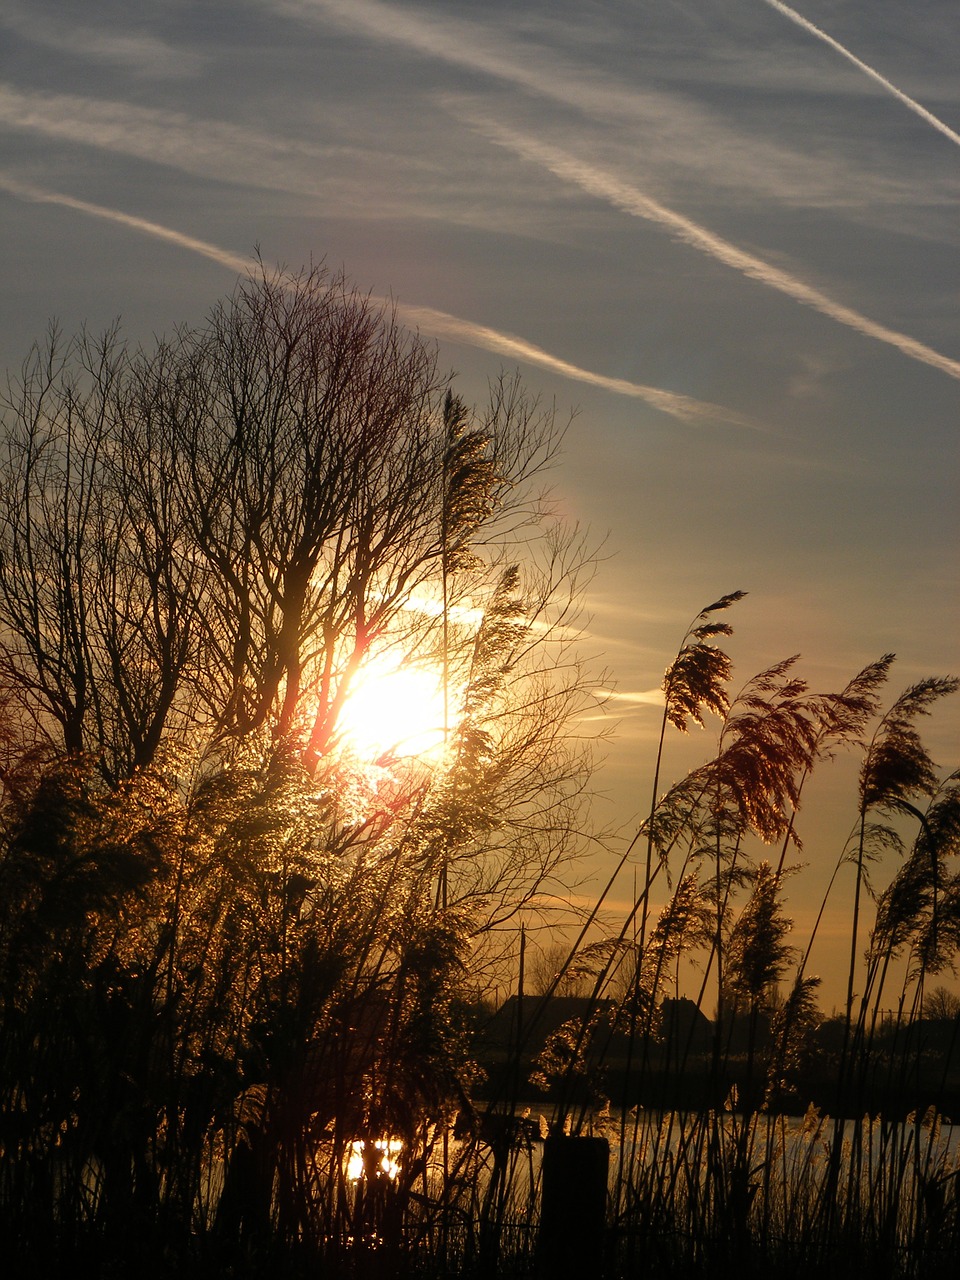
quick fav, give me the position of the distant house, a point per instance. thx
(684, 1025)
(527, 1024)
(612, 1060)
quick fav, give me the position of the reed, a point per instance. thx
(243, 1035)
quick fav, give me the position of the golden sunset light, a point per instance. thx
(479, 668)
(394, 710)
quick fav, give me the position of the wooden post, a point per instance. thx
(573, 1208)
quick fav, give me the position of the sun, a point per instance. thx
(394, 709)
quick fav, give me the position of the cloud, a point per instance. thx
(812, 374)
(867, 70)
(637, 698)
(438, 323)
(430, 607)
(619, 194)
(208, 148)
(142, 52)
(678, 135)
(458, 44)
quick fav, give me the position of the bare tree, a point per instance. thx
(208, 538)
(941, 1004)
(203, 545)
(97, 647)
(548, 972)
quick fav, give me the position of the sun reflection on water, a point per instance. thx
(382, 1156)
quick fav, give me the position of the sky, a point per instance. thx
(723, 233)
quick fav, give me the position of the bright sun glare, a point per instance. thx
(394, 709)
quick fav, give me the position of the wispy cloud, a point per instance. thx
(139, 52)
(679, 136)
(207, 148)
(437, 323)
(637, 698)
(466, 45)
(612, 189)
(471, 48)
(867, 70)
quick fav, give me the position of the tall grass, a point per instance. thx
(242, 1033)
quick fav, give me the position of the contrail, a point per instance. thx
(678, 406)
(867, 70)
(459, 44)
(37, 195)
(438, 323)
(622, 196)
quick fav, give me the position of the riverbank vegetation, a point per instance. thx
(293, 755)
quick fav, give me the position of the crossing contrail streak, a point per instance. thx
(867, 70)
(621, 195)
(38, 195)
(678, 406)
(438, 323)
